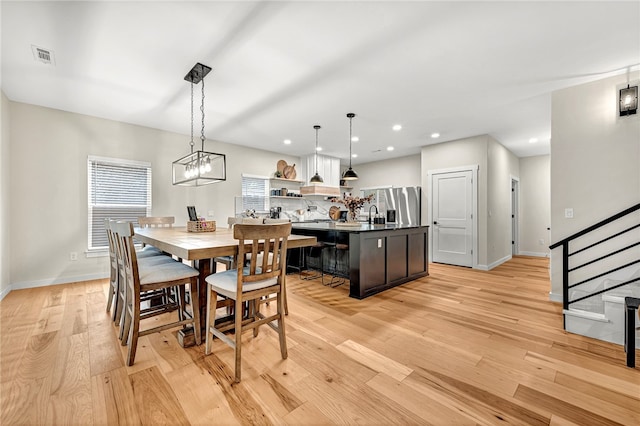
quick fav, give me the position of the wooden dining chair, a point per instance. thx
(156, 221)
(228, 261)
(250, 284)
(141, 277)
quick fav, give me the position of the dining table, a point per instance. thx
(201, 248)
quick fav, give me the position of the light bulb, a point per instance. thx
(207, 164)
(627, 100)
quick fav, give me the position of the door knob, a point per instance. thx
(435, 222)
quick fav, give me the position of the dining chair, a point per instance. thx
(250, 284)
(156, 221)
(140, 277)
(228, 261)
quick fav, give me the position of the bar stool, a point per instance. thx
(339, 250)
(312, 252)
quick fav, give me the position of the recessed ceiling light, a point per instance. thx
(287, 141)
(319, 149)
(435, 135)
(354, 155)
(397, 127)
(533, 140)
(389, 148)
(355, 139)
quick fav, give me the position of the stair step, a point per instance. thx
(586, 314)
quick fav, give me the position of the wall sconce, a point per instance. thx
(628, 101)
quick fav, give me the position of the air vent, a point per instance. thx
(43, 55)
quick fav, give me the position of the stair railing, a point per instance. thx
(566, 254)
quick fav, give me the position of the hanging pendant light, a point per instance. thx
(316, 178)
(350, 174)
(199, 167)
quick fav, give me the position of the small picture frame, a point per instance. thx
(192, 213)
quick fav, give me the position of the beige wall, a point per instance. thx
(595, 161)
(502, 165)
(402, 171)
(48, 201)
(535, 205)
(5, 163)
(463, 152)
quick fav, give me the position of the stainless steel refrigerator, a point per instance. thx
(406, 202)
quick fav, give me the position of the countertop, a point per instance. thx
(364, 227)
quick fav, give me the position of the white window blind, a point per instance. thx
(118, 189)
(255, 193)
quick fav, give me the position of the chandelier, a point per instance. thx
(200, 167)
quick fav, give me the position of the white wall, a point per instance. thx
(535, 205)
(595, 161)
(5, 167)
(48, 198)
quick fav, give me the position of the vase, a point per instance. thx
(352, 216)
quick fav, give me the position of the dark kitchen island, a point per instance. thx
(380, 256)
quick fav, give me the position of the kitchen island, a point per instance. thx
(380, 256)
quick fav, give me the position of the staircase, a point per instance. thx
(600, 267)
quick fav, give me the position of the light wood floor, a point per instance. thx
(457, 347)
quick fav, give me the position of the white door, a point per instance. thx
(452, 225)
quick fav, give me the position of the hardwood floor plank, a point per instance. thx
(155, 400)
(472, 399)
(70, 397)
(374, 360)
(200, 396)
(458, 346)
(562, 408)
(112, 399)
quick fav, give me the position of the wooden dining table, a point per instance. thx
(201, 248)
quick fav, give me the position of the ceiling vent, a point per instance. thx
(43, 55)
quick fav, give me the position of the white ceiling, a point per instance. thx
(457, 68)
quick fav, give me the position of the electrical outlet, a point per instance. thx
(568, 213)
(379, 242)
(73, 255)
(210, 213)
(541, 241)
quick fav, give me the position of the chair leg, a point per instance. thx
(119, 303)
(133, 334)
(194, 299)
(238, 343)
(281, 331)
(181, 295)
(212, 298)
(254, 306)
(112, 293)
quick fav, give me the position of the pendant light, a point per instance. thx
(350, 174)
(199, 167)
(316, 178)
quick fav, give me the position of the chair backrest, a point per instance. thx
(156, 221)
(251, 220)
(111, 238)
(263, 239)
(269, 221)
(127, 256)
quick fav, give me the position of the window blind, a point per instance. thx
(118, 189)
(255, 193)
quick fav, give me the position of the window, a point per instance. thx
(255, 193)
(118, 189)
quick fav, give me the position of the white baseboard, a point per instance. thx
(534, 253)
(5, 292)
(555, 297)
(59, 280)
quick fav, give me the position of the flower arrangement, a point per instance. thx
(353, 205)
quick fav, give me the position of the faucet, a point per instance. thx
(376, 207)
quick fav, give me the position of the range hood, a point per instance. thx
(330, 191)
